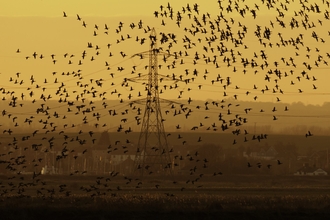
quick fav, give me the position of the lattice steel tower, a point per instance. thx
(152, 156)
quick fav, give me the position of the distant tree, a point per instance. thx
(210, 155)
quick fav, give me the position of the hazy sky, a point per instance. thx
(103, 7)
(87, 7)
(38, 26)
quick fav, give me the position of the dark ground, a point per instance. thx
(225, 197)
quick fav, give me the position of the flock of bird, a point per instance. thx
(194, 58)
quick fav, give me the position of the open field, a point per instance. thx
(228, 197)
(158, 206)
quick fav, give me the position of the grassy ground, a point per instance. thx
(160, 206)
(232, 197)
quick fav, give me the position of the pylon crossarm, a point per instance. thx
(161, 100)
(147, 53)
(138, 78)
(139, 101)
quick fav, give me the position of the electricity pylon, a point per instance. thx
(152, 156)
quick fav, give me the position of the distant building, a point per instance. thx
(118, 158)
(125, 167)
(306, 170)
(97, 157)
(269, 154)
(320, 158)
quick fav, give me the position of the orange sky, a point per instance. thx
(39, 26)
(87, 7)
(106, 8)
